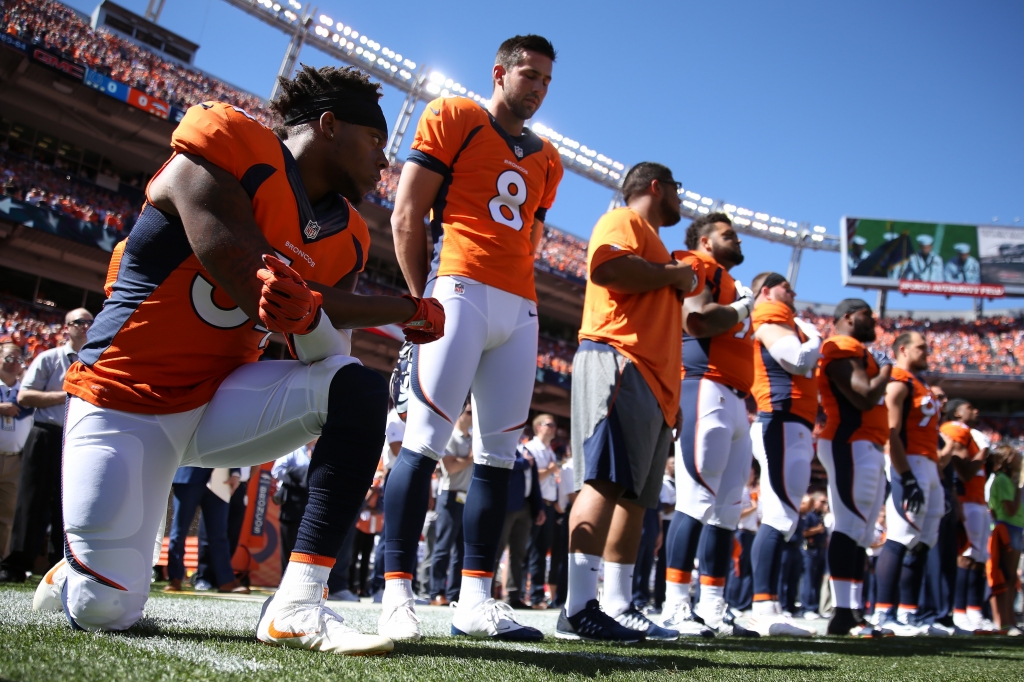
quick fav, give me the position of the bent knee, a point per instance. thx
(93, 606)
(359, 393)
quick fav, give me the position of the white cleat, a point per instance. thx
(400, 622)
(296, 617)
(939, 630)
(776, 625)
(492, 620)
(47, 596)
(900, 629)
(711, 610)
(680, 619)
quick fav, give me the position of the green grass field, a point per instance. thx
(204, 638)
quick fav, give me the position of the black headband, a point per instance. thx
(360, 111)
(773, 280)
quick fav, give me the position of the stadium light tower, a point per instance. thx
(421, 84)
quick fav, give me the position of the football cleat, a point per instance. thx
(594, 625)
(296, 617)
(776, 625)
(939, 630)
(492, 619)
(844, 623)
(634, 620)
(713, 612)
(47, 596)
(899, 628)
(681, 620)
(399, 622)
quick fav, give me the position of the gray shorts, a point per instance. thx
(619, 433)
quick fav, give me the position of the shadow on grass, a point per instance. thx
(590, 660)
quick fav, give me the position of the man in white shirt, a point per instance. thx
(544, 429)
(15, 424)
(456, 473)
(39, 485)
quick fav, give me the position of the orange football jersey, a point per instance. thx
(974, 488)
(624, 321)
(168, 335)
(774, 388)
(729, 357)
(843, 421)
(495, 186)
(920, 430)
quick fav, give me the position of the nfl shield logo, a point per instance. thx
(519, 151)
(459, 289)
(311, 230)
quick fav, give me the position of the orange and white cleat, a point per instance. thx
(47, 596)
(296, 617)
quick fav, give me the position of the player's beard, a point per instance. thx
(347, 187)
(865, 334)
(517, 106)
(732, 257)
(670, 213)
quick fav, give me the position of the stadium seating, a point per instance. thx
(42, 185)
(59, 29)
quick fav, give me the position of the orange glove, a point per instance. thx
(427, 324)
(287, 304)
(698, 270)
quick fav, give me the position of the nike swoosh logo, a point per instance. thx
(278, 634)
(435, 112)
(532, 314)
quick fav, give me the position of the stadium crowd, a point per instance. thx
(60, 29)
(40, 185)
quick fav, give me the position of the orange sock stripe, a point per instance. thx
(315, 559)
(712, 581)
(766, 597)
(960, 611)
(466, 573)
(676, 575)
(909, 607)
(883, 606)
(398, 576)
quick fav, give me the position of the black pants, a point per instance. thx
(645, 558)
(446, 566)
(540, 542)
(661, 570)
(359, 573)
(789, 576)
(814, 572)
(38, 500)
(740, 592)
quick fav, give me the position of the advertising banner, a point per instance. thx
(259, 546)
(935, 258)
(150, 105)
(107, 85)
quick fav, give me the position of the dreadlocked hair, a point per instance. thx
(309, 82)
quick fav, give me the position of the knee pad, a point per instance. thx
(92, 606)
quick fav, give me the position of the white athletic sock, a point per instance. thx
(299, 572)
(618, 588)
(583, 573)
(397, 591)
(903, 614)
(709, 592)
(675, 594)
(842, 593)
(475, 590)
(857, 596)
(765, 608)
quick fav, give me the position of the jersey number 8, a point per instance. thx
(505, 208)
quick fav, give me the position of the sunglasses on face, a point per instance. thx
(80, 323)
(677, 184)
(14, 360)
(549, 424)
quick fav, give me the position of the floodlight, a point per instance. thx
(433, 88)
(729, 208)
(761, 216)
(326, 20)
(437, 78)
(277, 7)
(819, 228)
(347, 31)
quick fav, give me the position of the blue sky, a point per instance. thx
(805, 110)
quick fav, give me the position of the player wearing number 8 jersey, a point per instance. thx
(714, 454)
(487, 182)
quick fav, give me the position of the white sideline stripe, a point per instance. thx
(194, 652)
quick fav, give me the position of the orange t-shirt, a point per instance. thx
(774, 388)
(729, 357)
(167, 335)
(974, 488)
(843, 421)
(495, 186)
(647, 327)
(920, 430)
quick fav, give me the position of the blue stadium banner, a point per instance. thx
(106, 85)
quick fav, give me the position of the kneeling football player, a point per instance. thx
(233, 223)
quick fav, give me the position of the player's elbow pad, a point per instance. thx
(324, 341)
(795, 357)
